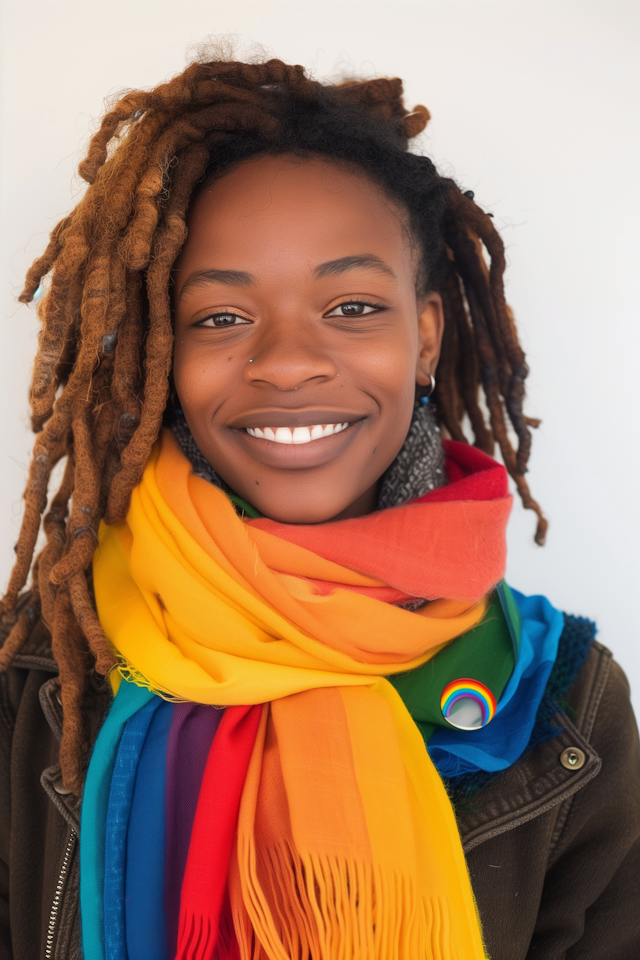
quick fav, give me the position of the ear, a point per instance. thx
(430, 330)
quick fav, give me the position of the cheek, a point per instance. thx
(198, 378)
(391, 369)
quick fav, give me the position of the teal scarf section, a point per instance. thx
(93, 826)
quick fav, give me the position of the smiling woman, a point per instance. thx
(296, 369)
(300, 713)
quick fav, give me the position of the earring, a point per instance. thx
(424, 399)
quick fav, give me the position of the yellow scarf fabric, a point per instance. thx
(347, 845)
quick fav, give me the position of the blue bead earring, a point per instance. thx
(424, 399)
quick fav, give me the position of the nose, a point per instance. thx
(287, 360)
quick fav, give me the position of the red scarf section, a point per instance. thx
(205, 927)
(449, 543)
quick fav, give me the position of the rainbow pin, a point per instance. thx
(467, 704)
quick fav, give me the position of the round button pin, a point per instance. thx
(467, 704)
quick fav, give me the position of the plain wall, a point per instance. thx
(534, 106)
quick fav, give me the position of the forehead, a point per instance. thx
(293, 209)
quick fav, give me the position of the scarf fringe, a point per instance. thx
(327, 908)
(197, 940)
(127, 671)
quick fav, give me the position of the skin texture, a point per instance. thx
(263, 337)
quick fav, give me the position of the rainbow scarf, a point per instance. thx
(134, 876)
(321, 827)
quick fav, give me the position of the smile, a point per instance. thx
(297, 434)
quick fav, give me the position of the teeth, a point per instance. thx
(284, 435)
(301, 435)
(297, 434)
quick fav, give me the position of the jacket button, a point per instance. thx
(60, 788)
(573, 758)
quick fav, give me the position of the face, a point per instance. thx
(299, 336)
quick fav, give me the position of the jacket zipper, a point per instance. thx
(57, 898)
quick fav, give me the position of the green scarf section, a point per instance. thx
(487, 653)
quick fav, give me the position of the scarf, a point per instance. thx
(149, 833)
(354, 851)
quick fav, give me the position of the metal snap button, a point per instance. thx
(573, 758)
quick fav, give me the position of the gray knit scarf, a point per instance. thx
(418, 468)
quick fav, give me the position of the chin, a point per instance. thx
(303, 513)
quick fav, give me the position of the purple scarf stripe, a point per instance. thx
(193, 727)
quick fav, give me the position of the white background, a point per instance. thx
(535, 107)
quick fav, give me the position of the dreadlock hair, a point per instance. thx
(101, 376)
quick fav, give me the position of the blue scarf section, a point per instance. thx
(499, 744)
(118, 813)
(146, 929)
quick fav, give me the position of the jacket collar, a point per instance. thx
(66, 802)
(529, 788)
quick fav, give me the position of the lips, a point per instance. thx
(283, 416)
(297, 435)
(297, 439)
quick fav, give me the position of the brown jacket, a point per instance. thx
(553, 850)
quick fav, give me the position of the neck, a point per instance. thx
(366, 503)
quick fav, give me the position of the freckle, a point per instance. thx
(257, 483)
(230, 358)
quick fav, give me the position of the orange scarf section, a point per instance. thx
(347, 846)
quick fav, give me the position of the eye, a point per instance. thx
(222, 320)
(354, 308)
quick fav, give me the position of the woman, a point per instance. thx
(269, 624)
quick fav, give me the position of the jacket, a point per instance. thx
(553, 844)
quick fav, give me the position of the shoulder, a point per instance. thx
(27, 673)
(599, 703)
(560, 829)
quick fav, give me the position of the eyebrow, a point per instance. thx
(331, 268)
(368, 261)
(231, 278)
